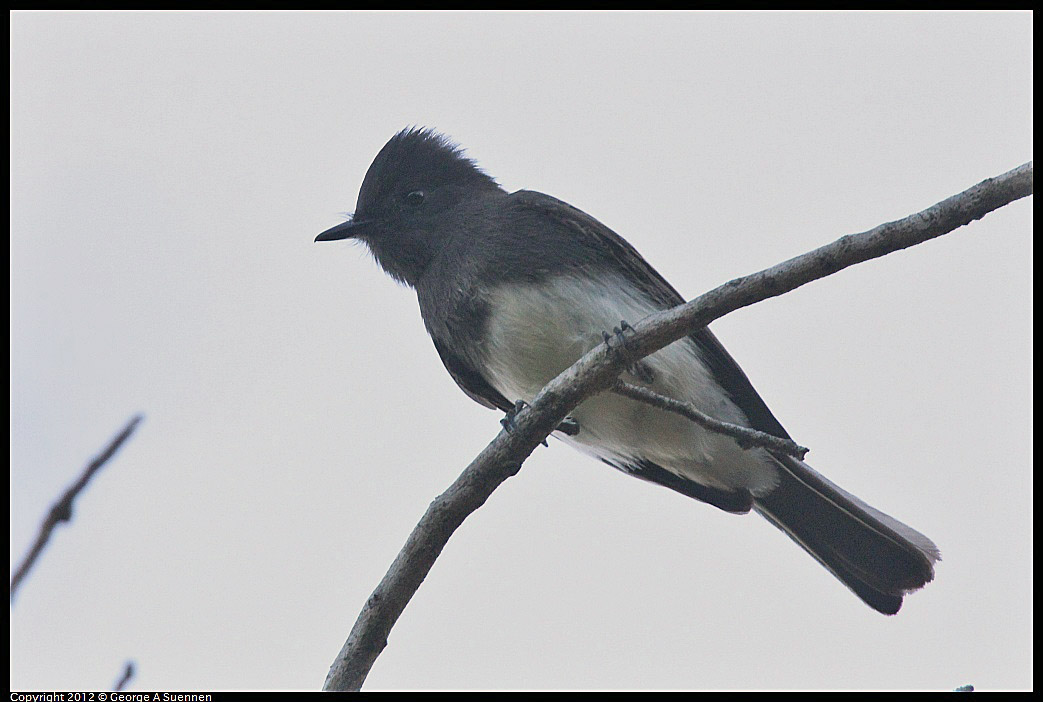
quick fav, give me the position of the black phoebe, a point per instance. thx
(515, 287)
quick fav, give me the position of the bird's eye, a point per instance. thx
(415, 198)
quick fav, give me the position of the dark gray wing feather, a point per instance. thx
(608, 248)
(470, 380)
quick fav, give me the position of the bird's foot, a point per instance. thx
(508, 422)
(639, 369)
(568, 426)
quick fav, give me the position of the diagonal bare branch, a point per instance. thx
(125, 677)
(61, 511)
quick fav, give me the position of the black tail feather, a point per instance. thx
(876, 556)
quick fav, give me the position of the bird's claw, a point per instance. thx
(568, 426)
(508, 422)
(618, 333)
(639, 370)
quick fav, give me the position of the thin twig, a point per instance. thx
(128, 673)
(744, 436)
(61, 511)
(598, 370)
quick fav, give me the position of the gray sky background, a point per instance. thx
(168, 175)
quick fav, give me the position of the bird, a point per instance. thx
(514, 287)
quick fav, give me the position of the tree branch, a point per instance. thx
(61, 511)
(128, 673)
(598, 371)
(744, 436)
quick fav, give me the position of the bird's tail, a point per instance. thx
(875, 555)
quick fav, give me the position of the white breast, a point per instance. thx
(535, 331)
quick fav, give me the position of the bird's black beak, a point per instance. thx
(344, 230)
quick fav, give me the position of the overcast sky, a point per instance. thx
(169, 172)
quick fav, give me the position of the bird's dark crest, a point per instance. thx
(419, 157)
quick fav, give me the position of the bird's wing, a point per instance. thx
(616, 252)
(470, 380)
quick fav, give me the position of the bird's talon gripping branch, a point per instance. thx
(617, 333)
(568, 426)
(640, 370)
(508, 422)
